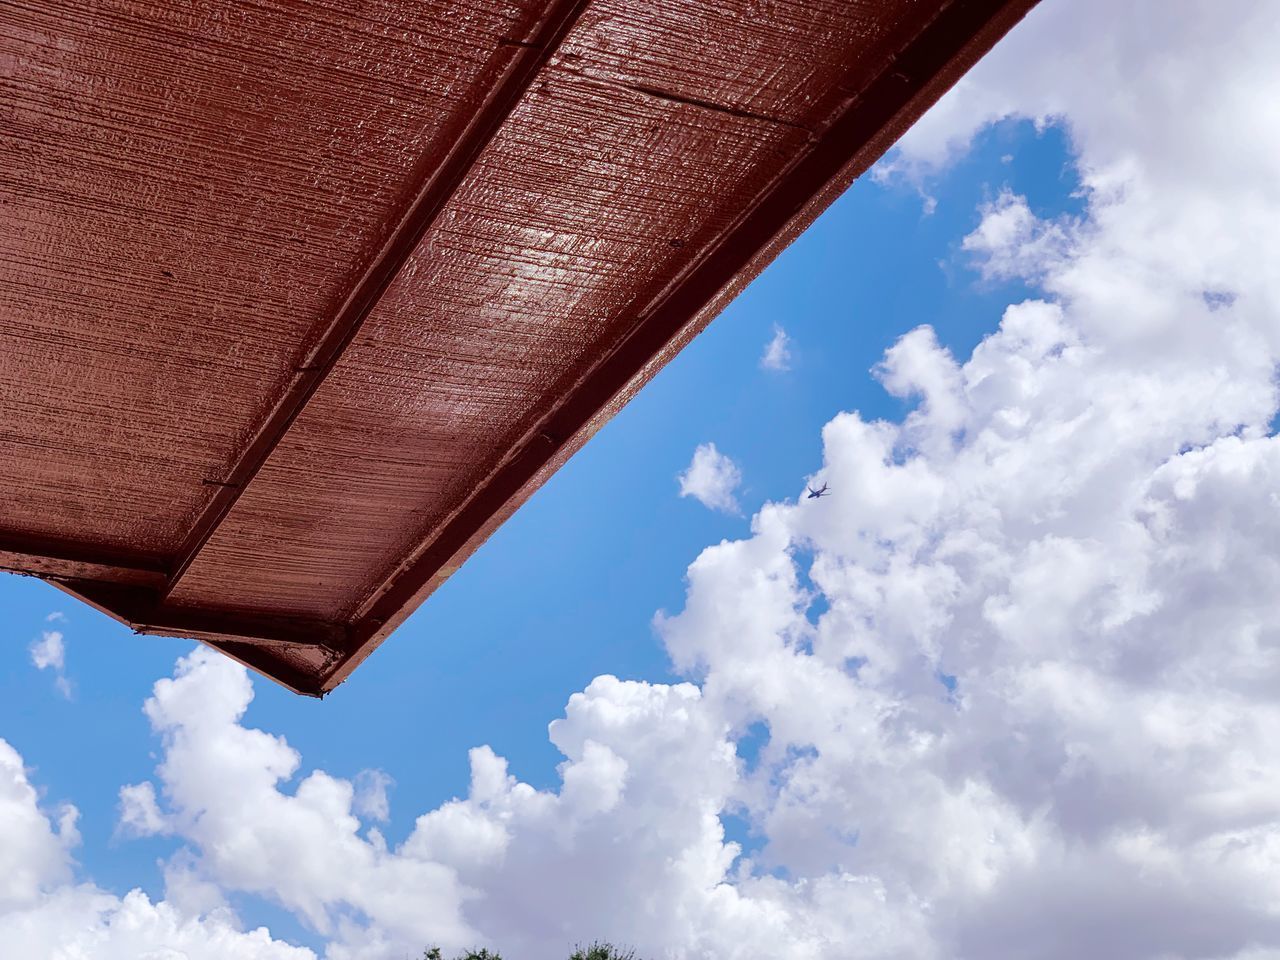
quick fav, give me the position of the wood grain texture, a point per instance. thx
(188, 190)
(605, 182)
(301, 301)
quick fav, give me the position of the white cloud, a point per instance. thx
(371, 795)
(303, 849)
(711, 478)
(44, 914)
(49, 653)
(140, 813)
(631, 847)
(777, 352)
(1011, 241)
(83, 922)
(33, 851)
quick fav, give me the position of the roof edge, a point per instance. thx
(921, 71)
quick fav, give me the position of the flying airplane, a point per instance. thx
(817, 494)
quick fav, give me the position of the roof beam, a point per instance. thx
(140, 610)
(274, 663)
(527, 58)
(250, 630)
(876, 113)
(49, 558)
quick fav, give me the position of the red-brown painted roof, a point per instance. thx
(301, 301)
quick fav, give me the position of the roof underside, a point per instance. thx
(300, 301)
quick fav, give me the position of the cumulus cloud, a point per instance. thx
(49, 653)
(711, 478)
(75, 922)
(777, 352)
(305, 849)
(1012, 242)
(33, 849)
(45, 914)
(139, 813)
(631, 846)
(1010, 688)
(371, 794)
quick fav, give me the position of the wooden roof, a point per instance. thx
(299, 301)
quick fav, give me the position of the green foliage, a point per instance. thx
(596, 951)
(601, 951)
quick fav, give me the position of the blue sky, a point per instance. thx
(1008, 693)
(568, 588)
